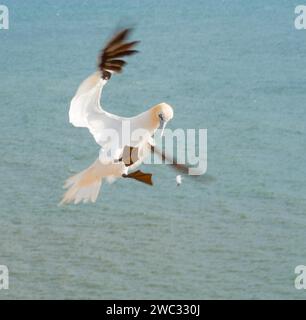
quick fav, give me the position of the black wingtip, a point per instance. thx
(117, 47)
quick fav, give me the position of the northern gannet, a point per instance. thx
(116, 157)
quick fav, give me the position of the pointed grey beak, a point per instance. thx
(162, 124)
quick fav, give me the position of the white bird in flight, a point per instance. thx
(86, 111)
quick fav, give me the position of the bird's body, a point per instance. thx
(125, 142)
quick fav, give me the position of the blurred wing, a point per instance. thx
(173, 162)
(110, 60)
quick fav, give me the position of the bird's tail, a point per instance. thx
(84, 186)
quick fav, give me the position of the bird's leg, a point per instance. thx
(129, 157)
(140, 176)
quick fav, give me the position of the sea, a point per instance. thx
(236, 68)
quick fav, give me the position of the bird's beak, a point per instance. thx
(162, 125)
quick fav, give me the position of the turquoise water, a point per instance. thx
(235, 68)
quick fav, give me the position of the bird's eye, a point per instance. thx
(161, 117)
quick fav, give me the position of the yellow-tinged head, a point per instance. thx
(162, 113)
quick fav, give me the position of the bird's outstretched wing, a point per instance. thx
(173, 162)
(85, 108)
(111, 56)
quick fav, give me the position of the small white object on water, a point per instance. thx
(178, 180)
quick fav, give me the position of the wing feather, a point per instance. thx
(116, 48)
(85, 108)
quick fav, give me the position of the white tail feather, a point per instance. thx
(83, 186)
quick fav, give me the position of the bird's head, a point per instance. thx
(162, 113)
